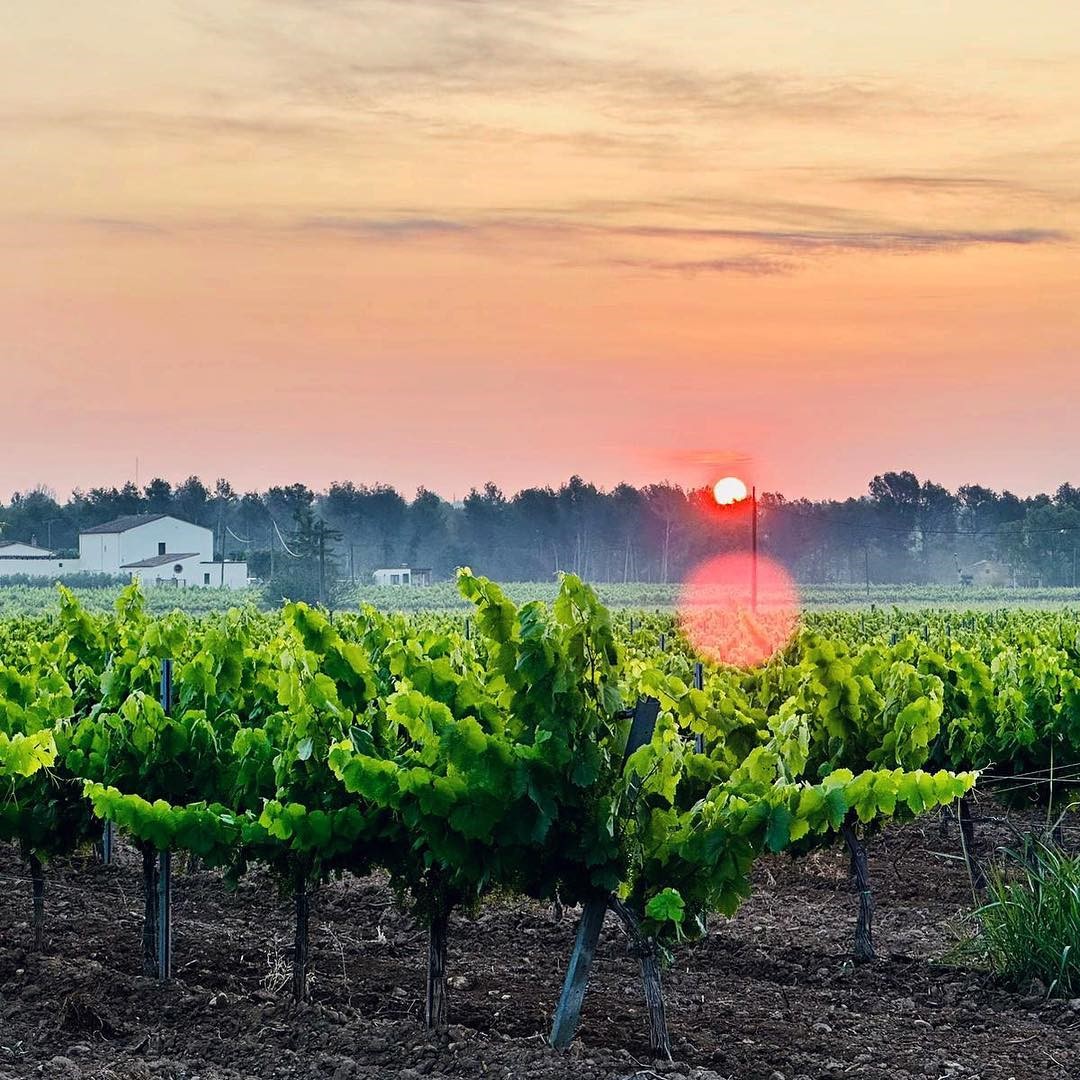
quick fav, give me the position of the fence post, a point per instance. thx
(568, 1010)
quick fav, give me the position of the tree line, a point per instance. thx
(902, 530)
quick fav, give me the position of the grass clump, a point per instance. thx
(1029, 927)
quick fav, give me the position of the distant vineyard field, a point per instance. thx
(443, 596)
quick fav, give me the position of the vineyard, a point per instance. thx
(540, 766)
(41, 598)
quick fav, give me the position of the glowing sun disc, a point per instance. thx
(728, 490)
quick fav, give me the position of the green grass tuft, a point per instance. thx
(1029, 928)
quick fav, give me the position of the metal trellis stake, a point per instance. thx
(699, 684)
(164, 912)
(107, 831)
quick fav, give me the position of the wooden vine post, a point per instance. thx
(568, 1010)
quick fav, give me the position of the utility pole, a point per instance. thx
(753, 549)
(866, 553)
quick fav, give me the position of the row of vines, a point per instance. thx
(509, 751)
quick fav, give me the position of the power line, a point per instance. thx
(288, 550)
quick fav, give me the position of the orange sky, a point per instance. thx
(444, 241)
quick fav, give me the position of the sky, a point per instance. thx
(442, 242)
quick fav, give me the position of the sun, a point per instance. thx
(728, 490)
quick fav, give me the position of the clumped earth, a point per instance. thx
(769, 995)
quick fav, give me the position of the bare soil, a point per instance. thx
(767, 995)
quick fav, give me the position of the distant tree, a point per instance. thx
(191, 501)
(484, 523)
(158, 496)
(36, 516)
(668, 506)
(428, 527)
(284, 503)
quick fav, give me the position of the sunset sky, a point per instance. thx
(444, 241)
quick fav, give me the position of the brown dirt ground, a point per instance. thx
(767, 995)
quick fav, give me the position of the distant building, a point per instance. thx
(403, 575)
(987, 572)
(155, 549)
(29, 560)
(16, 549)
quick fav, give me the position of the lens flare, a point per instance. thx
(728, 490)
(716, 611)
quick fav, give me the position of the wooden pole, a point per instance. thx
(568, 1011)
(753, 549)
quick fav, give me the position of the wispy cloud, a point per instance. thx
(750, 265)
(442, 54)
(904, 240)
(131, 226)
(644, 248)
(936, 183)
(183, 127)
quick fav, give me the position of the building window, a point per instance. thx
(161, 547)
(178, 568)
(395, 579)
(404, 579)
(206, 579)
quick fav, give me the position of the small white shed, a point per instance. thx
(402, 575)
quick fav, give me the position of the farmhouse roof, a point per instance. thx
(122, 524)
(159, 560)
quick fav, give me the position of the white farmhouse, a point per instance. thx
(157, 549)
